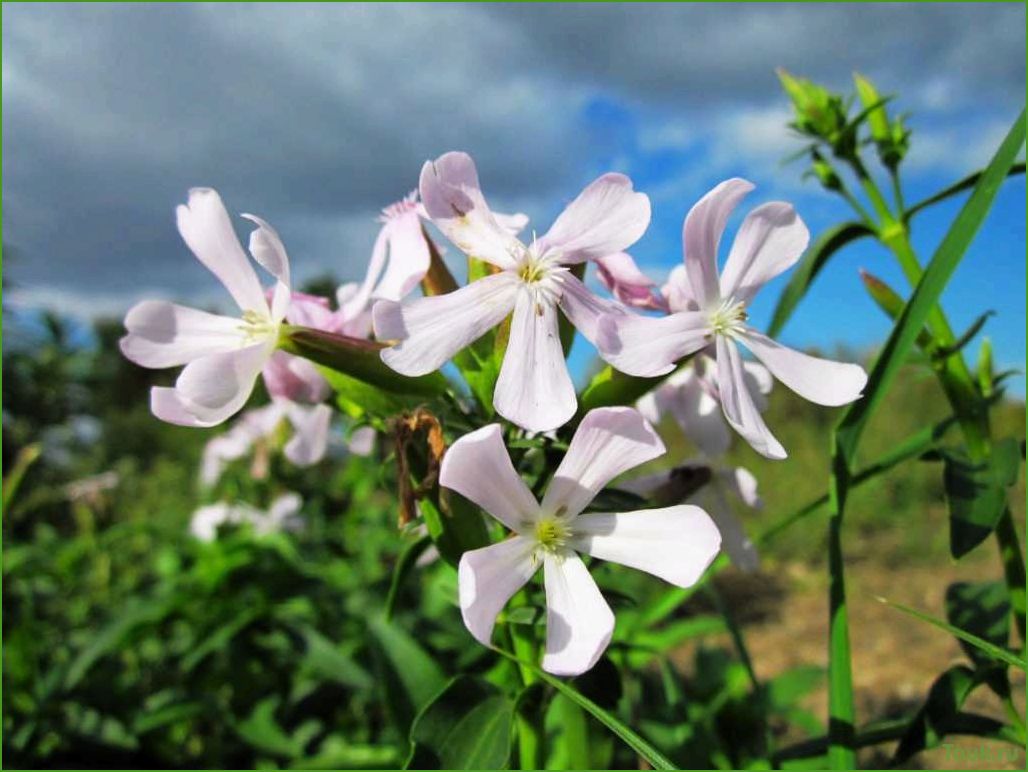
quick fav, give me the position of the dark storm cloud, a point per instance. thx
(316, 116)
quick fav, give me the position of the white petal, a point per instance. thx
(770, 240)
(579, 623)
(268, 250)
(607, 217)
(678, 292)
(534, 389)
(742, 484)
(619, 274)
(737, 402)
(164, 334)
(310, 433)
(608, 442)
(361, 441)
(233, 444)
(515, 223)
(701, 235)
(648, 346)
(167, 404)
(453, 201)
(823, 381)
(759, 381)
(285, 507)
(207, 231)
(215, 387)
(675, 543)
(488, 577)
(408, 257)
(478, 467)
(584, 309)
(698, 413)
(734, 539)
(430, 330)
(294, 378)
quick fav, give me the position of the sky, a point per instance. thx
(317, 116)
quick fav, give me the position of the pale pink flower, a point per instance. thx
(282, 515)
(709, 312)
(534, 389)
(675, 543)
(306, 446)
(223, 355)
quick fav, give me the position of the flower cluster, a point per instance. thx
(687, 332)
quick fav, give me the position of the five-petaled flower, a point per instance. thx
(223, 355)
(534, 389)
(675, 543)
(710, 312)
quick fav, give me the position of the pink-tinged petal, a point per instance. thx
(164, 334)
(534, 389)
(607, 217)
(430, 330)
(734, 539)
(759, 381)
(770, 240)
(206, 520)
(478, 467)
(284, 511)
(232, 445)
(742, 484)
(310, 311)
(294, 378)
(167, 405)
(217, 386)
(310, 433)
(584, 309)
(514, 223)
(648, 346)
(677, 292)
(822, 381)
(268, 250)
(488, 577)
(453, 201)
(701, 235)
(408, 257)
(619, 274)
(207, 231)
(737, 402)
(675, 543)
(608, 442)
(579, 623)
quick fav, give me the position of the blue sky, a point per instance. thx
(317, 116)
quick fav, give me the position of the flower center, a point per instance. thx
(728, 317)
(552, 535)
(542, 274)
(257, 326)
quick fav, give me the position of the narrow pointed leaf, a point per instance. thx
(956, 188)
(977, 493)
(408, 676)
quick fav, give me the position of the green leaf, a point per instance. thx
(990, 650)
(887, 299)
(568, 736)
(336, 753)
(357, 358)
(956, 188)
(977, 493)
(467, 726)
(611, 387)
(982, 609)
(261, 730)
(651, 755)
(404, 565)
(12, 480)
(357, 398)
(220, 638)
(935, 718)
(454, 523)
(326, 660)
(409, 677)
(811, 264)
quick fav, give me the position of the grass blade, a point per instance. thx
(957, 187)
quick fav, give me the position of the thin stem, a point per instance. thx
(897, 193)
(841, 709)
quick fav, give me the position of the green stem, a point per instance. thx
(841, 710)
(529, 721)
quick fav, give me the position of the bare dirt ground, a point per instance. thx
(784, 613)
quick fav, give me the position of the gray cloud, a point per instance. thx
(316, 116)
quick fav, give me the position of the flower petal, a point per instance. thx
(430, 330)
(584, 309)
(268, 250)
(207, 231)
(217, 386)
(607, 216)
(294, 378)
(514, 223)
(453, 201)
(701, 235)
(310, 433)
(677, 291)
(478, 467)
(675, 543)
(770, 240)
(648, 346)
(608, 442)
(579, 623)
(737, 403)
(696, 412)
(742, 484)
(734, 539)
(488, 577)
(164, 334)
(619, 274)
(534, 389)
(822, 381)
(408, 257)
(167, 404)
